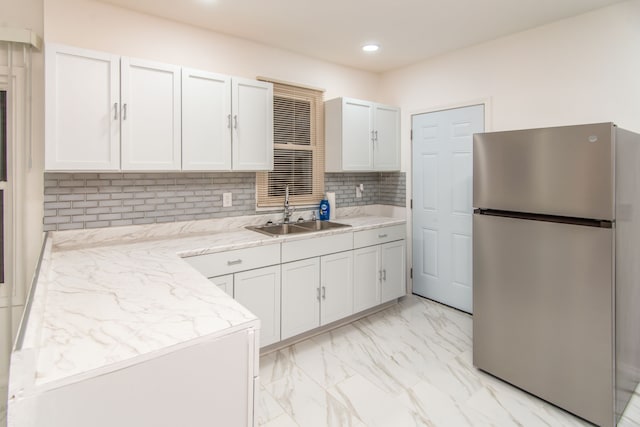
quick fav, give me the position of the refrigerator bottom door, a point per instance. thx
(542, 311)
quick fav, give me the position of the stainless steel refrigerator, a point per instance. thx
(556, 264)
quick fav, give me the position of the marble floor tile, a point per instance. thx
(267, 409)
(372, 405)
(409, 365)
(439, 408)
(275, 366)
(283, 420)
(308, 404)
(365, 355)
(321, 365)
(631, 415)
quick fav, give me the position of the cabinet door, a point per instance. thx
(300, 296)
(82, 109)
(224, 282)
(357, 135)
(393, 270)
(259, 291)
(386, 155)
(252, 110)
(150, 115)
(206, 121)
(336, 273)
(366, 278)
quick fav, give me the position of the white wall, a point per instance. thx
(577, 70)
(99, 26)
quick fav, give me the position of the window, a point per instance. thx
(298, 148)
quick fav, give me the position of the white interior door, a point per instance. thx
(442, 211)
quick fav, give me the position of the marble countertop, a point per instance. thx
(105, 300)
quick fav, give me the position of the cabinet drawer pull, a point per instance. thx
(229, 121)
(324, 292)
(384, 274)
(124, 111)
(382, 236)
(318, 294)
(234, 262)
(373, 139)
(376, 138)
(235, 121)
(115, 111)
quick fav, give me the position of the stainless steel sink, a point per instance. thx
(295, 228)
(320, 225)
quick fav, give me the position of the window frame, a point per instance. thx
(315, 97)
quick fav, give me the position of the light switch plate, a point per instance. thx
(227, 200)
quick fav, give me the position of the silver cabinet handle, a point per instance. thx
(124, 111)
(384, 274)
(373, 139)
(235, 121)
(229, 121)
(381, 236)
(318, 294)
(376, 135)
(324, 292)
(234, 262)
(115, 111)
(379, 275)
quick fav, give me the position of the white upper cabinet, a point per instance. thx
(206, 121)
(108, 113)
(386, 138)
(150, 115)
(357, 135)
(252, 111)
(361, 136)
(82, 109)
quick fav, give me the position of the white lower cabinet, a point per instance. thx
(316, 292)
(336, 273)
(322, 279)
(300, 296)
(392, 260)
(366, 273)
(379, 274)
(259, 291)
(225, 283)
(200, 385)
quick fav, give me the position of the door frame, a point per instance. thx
(488, 121)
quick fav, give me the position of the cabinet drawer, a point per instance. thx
(316, 246)
(237, 260)
(378, 235)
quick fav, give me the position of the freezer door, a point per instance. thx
(542, 310)
(565, 171)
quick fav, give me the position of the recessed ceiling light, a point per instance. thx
(370, 47)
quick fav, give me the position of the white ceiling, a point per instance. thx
(408, 31)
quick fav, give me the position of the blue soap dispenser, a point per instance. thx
(324, 210)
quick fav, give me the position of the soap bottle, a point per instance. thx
(324, 210)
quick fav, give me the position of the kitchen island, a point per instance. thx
(120, 330)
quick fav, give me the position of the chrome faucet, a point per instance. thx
(287, 209)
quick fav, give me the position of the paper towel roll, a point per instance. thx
(331, 198)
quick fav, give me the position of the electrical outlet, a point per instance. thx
(227, 200)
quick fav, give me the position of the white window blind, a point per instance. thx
(298, 148)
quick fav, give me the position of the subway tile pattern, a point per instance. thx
(392, 189)
(409, 365)
(86, 200)
(385, 188)
(98, 200)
